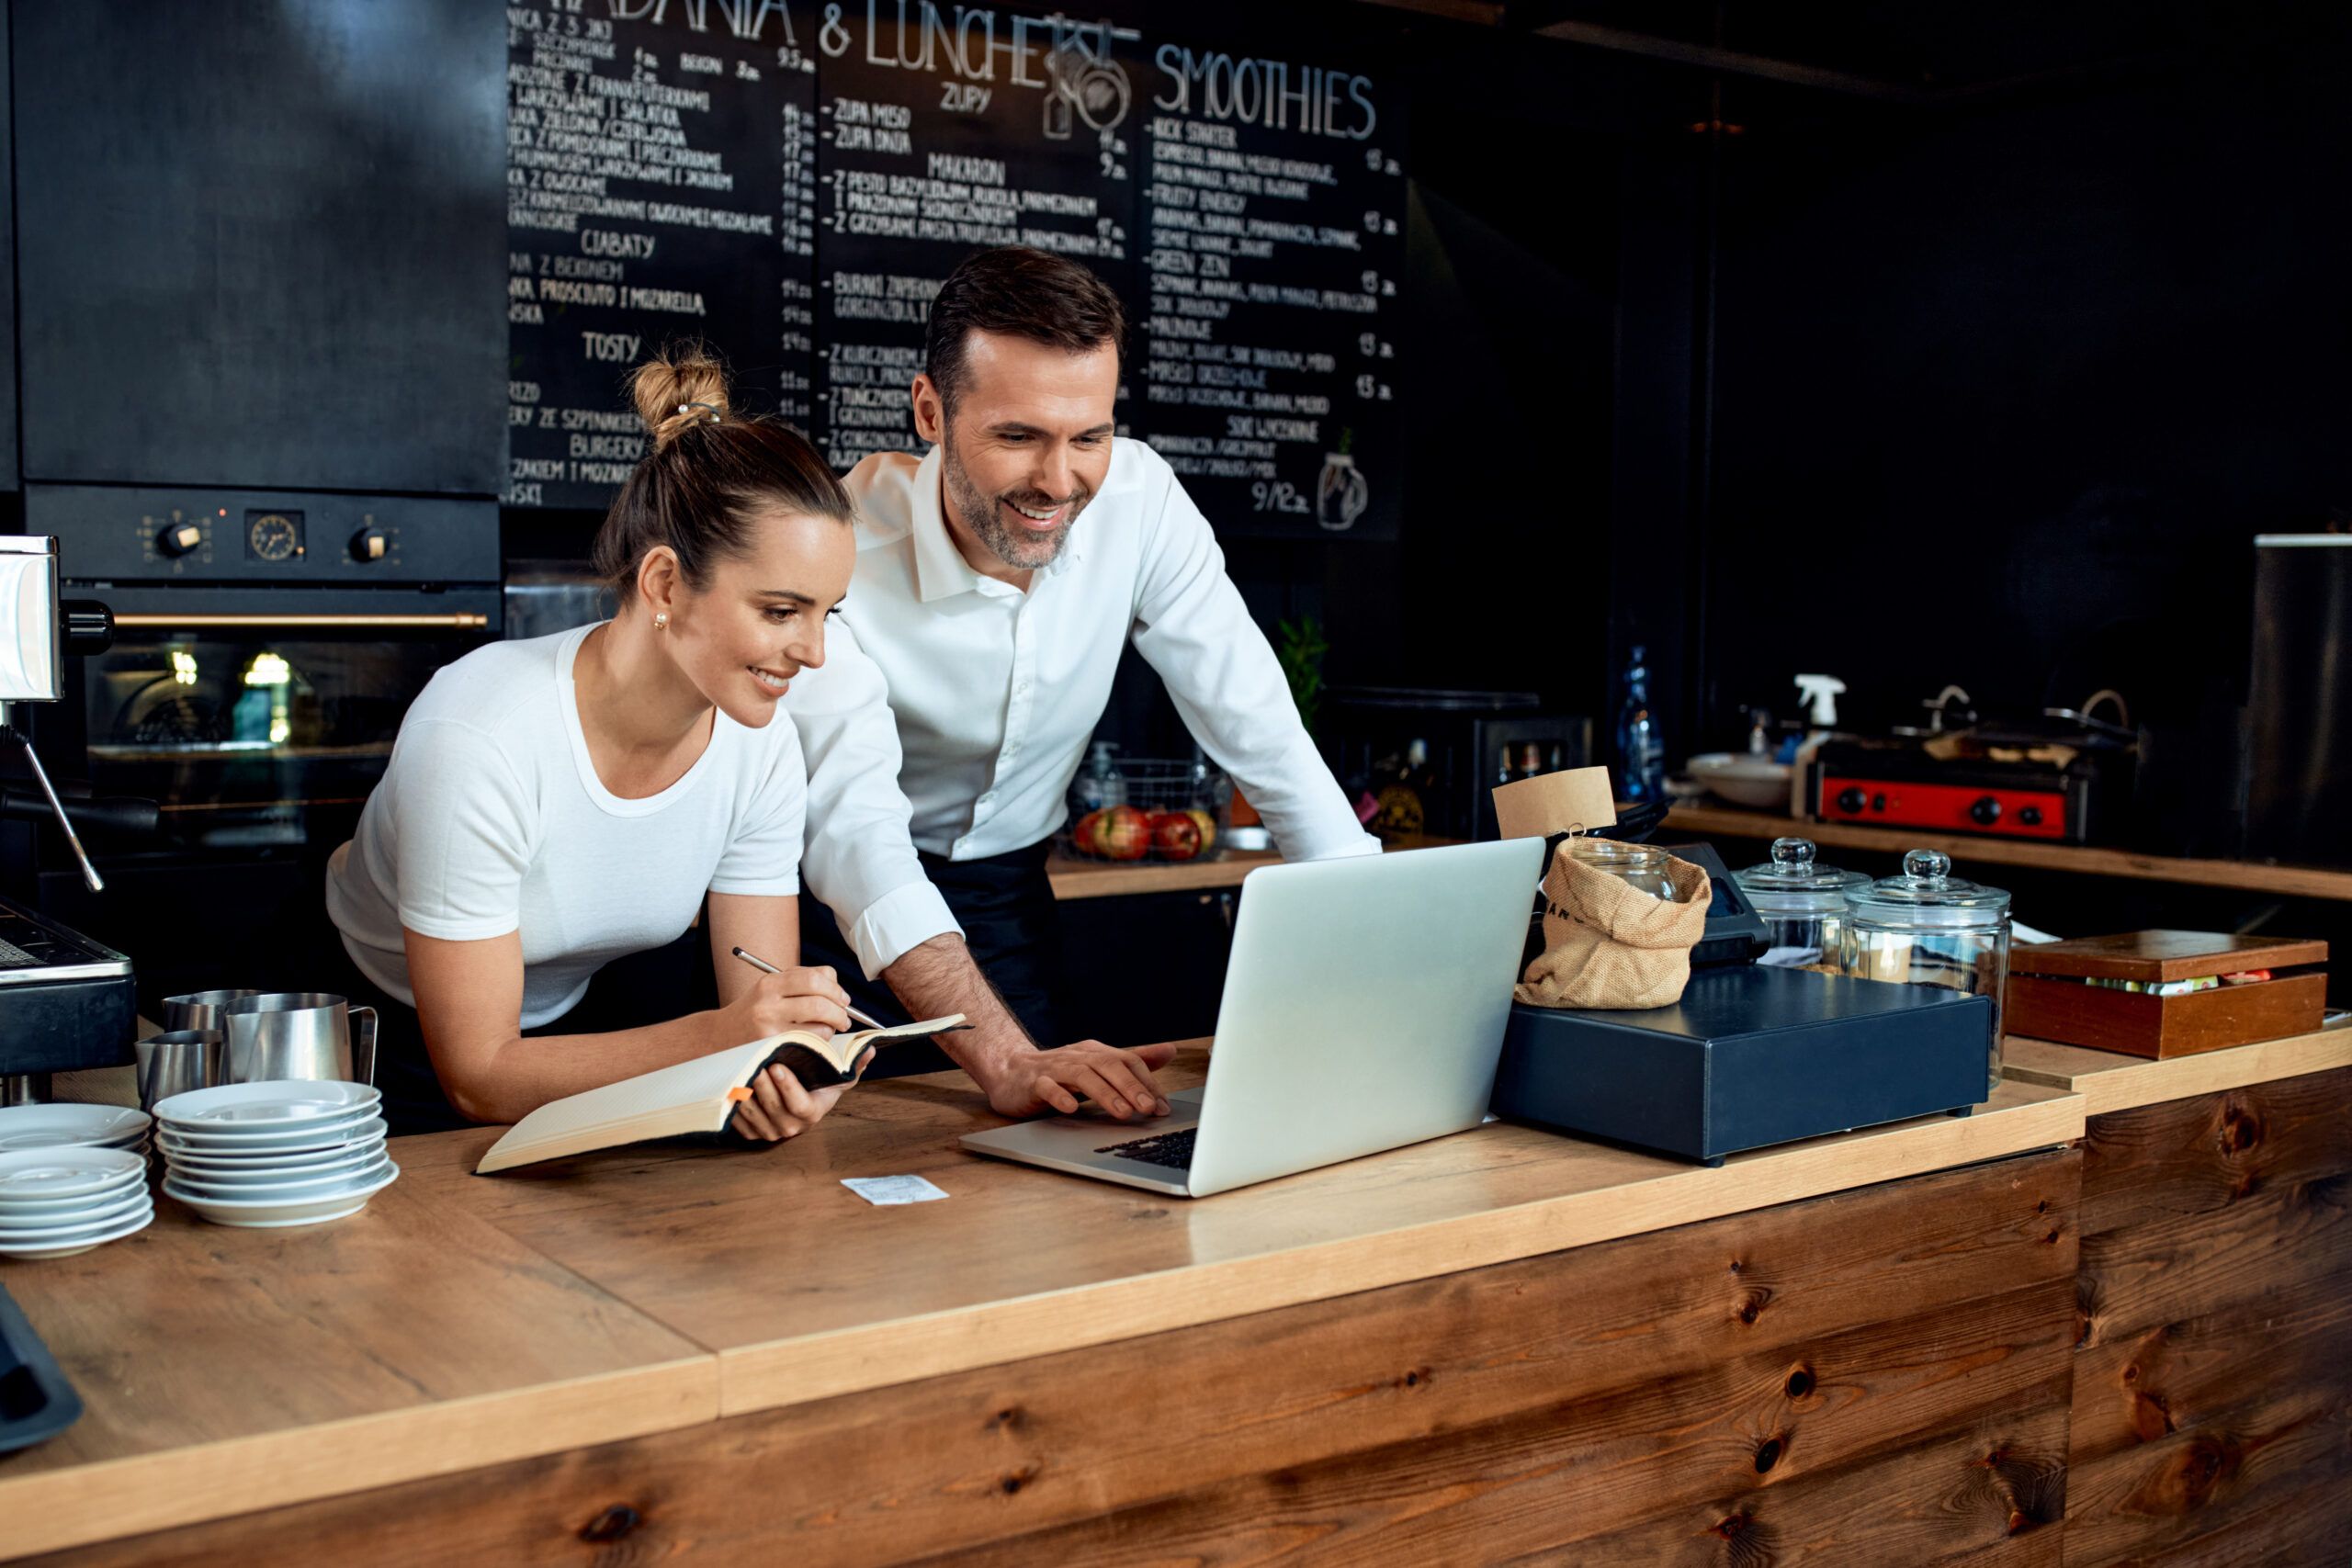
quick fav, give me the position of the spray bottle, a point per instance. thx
(1817, 694)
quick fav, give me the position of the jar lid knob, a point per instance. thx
(1927, 865)
(1792, 855)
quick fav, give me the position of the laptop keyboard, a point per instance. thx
(1172, 1149)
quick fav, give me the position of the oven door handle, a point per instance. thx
(462, 621)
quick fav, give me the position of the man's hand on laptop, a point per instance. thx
(1119, 1081)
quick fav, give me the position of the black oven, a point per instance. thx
(266, 647)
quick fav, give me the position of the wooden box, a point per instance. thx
(2046, 997)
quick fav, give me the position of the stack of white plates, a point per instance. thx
(287, 1152)
(26, 1127)
(57, 1201)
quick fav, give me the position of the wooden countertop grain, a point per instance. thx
(462, 1321)
(805, 1292)
(224, 1370)
(2109, 1080)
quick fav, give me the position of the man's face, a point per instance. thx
(1026, 448)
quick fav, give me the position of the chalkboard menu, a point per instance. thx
(661, 185)
(1275, 218)
(792, 182)
(937, 141)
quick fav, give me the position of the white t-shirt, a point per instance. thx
(491, 818)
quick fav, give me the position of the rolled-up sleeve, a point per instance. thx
(859, 861)
(1191, 624)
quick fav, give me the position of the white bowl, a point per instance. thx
(68, 1247)
(275, 1213)
(52, 1211)
(1743, 778)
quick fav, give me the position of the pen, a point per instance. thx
(764, 967)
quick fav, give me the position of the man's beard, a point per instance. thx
(1021, 549)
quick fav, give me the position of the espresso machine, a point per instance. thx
(66, 1001)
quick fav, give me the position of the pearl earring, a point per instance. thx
(660, 620)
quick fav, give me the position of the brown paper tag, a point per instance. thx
(1577, 799)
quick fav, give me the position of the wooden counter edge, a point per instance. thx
(106, 1500)
(2110, 1081)
(761, 1377)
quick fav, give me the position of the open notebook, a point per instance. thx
(699, 1096)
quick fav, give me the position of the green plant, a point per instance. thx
(1299, 646)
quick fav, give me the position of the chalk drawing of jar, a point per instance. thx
(1095, 91)
(1341, 493)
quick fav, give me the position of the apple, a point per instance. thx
(1175, 836)
(1206, 822)
(1086, 837)
(1125, 833)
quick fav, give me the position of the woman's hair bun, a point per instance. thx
(678, 389)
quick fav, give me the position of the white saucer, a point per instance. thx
(68, 1248)
(273, 1162)
(64, 1127)
(327, 1136)
(57, 1227)
(66, 1172)
(47, 1211)
(274, 1105)
(269, 1185)
(275, 1214)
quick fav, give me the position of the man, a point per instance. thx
(997, 579)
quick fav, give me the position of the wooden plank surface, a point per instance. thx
(1876, 1376)
(2302, 882)
(2109, 1081)
(2212, 1404)
(1020, 1261)
(226, 1369)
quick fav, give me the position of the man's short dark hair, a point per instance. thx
(1021, 292)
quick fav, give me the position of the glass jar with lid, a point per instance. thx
(1802, 902)
(1643, 866)
(1930, 928)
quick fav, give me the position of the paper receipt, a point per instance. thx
(885, 1190)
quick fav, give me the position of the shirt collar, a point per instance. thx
(941, 571)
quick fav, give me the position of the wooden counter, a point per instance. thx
(871, 1377)
(1734, 822)
(2212, 1416)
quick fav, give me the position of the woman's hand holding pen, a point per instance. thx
(790, 998)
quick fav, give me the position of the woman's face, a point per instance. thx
(760, 620)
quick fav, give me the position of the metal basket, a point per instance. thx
(1156, 785)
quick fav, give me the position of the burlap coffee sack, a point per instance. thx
(1609, 944)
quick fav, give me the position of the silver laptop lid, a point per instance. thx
(1363, 1007)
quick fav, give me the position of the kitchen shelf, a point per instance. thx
(1073, 877)
(2301, 882)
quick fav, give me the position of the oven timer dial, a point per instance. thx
(273, 536)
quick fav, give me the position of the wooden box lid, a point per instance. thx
(2161, 955)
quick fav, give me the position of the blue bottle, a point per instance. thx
(1641, 755)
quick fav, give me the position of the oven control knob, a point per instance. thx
(2030, 816)
(177, 538)
(370, 544)
(1851, 799)
(1985, 812)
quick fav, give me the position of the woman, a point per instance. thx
(553, 804)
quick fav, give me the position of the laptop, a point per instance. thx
(1363, 1010)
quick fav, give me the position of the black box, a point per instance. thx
(1749, 1057)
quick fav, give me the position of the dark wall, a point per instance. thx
(2003, 391)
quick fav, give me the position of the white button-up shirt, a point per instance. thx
(996, 692)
